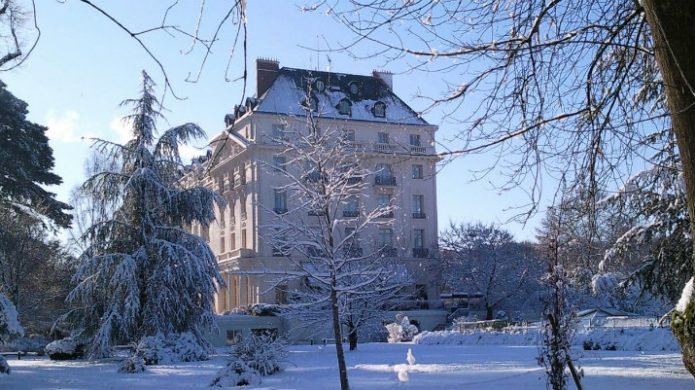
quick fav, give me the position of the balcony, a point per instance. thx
(385, 180)
(352, 252)
(419, 215)
(279, 210)
(383, 148)
(281, 251)
(421, 252)
(242, 253)
(351, 213)
(416, 149)
(316, 213)
(388, 252)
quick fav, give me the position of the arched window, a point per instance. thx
(319, 85)
(345, 106)
(379, 109)
(354, 88)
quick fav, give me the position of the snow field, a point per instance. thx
(375, 366)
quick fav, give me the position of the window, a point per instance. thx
(320, 85)
(382, 137)
(243, 238)
(232, 242)
(383, 200)
(280, 201)
(379, 109)
(385, 239)
(351, 208)
(242, 174)
(243, 207)
(418, 201)
(221, 216)
(417, 171)
(345, 106)
(354, 88)
(384, 170)
(281, 293)
(419, 238)
(278, 132)
(279, 163)
(222, 246)
(348, 135)
(415, 140)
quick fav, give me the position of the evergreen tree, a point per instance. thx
(26, 161)
(142, 273)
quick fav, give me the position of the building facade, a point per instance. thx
(393, 141)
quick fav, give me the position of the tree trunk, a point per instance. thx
(352, 334)
(673, 29)
(340, 354)
(488, 313)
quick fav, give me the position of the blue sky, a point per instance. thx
(84, 66)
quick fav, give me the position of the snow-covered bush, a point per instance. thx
(64, 349)
(9, 327)
(132, 365)
(236, 373)
(401, 330)
(261, 352)
(172, 348)
(26, 344)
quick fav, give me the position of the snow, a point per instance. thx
(9, 319)
(686, 296)
(375, 366)
(64, 346)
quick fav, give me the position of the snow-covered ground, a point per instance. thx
(375, 366)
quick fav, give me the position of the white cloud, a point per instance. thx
(63, 127)
(187, 152)
(122, 129)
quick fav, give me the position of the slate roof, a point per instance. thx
(288, 93)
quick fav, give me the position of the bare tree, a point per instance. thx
(487, 260)
(571, 88)
(321, 229)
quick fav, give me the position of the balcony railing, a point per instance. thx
(421, 252)
(281, 251)
(352, 252)
(414, 149)
(385, 180)
(388, 252)
(419, 215)
(351, 213)
(316, 213)
(383, 148)
(312, 177)
(280, 210)
(388, 214)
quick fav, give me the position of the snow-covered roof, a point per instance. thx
(287, 95)
(603, 311)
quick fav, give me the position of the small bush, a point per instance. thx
(4, 367)
(263, 353)
(236, 373)
(172, 348)
(65, 349)
(132, 365)
(401, 330)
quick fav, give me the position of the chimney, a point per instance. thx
(385, 76)
(266, 71)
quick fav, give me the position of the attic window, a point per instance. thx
(379, 109)
(354, 88)
(319, 85)
(309, 103)
(345, 106)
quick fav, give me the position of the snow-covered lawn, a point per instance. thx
(375, 366)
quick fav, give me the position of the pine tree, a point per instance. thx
(26, 161)
(142, 273)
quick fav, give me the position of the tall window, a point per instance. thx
(418, 202)
(279, 132)
(280, 201)
(415, 140)
(242, 174)
(379, 109)
(419, 238)
(351, 208)
(382, 137)
(222, 246)
(279, 163)
(348, 135)
(243, 238)
(242, 205)
(221, 220)
(417, 171)
(384, 170)
(232, 241)
(385, 239)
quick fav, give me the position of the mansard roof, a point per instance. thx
(288, 93)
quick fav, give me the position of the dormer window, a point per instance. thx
(354, 88)
(345, 106)
(379, 109)
(319, 85)
(309, 103)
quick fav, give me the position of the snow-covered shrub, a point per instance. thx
(132, 365)
(261, 352)
(9, 327)
(401, 330)
(264, 309)
(64, 349)
(26, 344)
(236, 373)
(172, 348)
